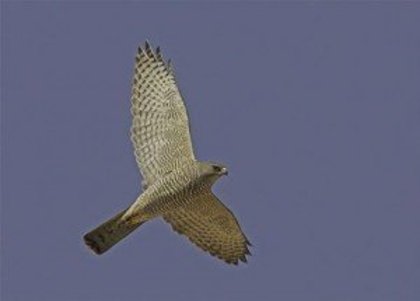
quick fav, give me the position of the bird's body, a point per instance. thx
(174, 190)
(176, 186)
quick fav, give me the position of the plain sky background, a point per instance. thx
(315, 108)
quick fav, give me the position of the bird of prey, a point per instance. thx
(176, 186)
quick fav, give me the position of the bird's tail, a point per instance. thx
(105, 236)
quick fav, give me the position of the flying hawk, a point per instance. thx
(176, 186)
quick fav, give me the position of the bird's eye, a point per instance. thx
(217, 168)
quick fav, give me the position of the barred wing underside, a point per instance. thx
(211, 226)
(160, 130)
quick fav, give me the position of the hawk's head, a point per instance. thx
(219, 169)
(212, 170)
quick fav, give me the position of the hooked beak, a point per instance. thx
(224, 171)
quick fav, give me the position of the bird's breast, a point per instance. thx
(170, 192)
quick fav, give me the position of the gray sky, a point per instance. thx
(314, 107)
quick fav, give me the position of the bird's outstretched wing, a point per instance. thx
(160, 129)
(211, 226)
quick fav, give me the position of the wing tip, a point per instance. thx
(146, 52)
(148, 48)
(235, 261)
